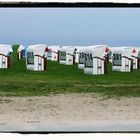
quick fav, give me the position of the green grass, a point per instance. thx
(17, 81)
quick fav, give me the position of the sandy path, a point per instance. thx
(67, 107)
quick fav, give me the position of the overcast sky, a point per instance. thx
(70, 26)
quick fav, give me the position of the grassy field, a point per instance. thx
(17, 81)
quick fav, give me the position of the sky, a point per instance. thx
(70, 26)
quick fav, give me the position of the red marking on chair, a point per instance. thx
(107, 50)
(134, 51)
(46, 50)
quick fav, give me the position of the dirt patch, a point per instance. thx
(68, 107)
(5, 100)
